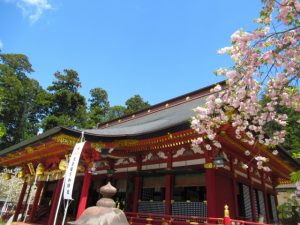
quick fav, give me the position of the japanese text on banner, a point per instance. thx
(71, 170)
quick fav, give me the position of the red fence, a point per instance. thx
(161, 219)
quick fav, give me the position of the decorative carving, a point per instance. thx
(132, 160)
(162, 155)
(179, 153)
(126, 143)
(125, 161)
(29, 149)
(147, 157)
(97, 145)
(197, 149)
(65, 139)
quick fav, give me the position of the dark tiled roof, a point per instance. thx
(153, 121)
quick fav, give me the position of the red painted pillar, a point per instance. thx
(168, 194)
(137, 190)
(210, 180)
(54, 204)
(234, 183)
(137, 185)
(36, 200)
(84, 193)
(20, 201)
(168, 190)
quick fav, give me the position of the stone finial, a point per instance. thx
(108, 190)
(105, 211)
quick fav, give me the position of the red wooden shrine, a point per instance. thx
(154, 168)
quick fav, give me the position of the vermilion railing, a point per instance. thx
(161, 219)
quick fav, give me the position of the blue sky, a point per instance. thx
(159, 49)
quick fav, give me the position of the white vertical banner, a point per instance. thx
(71, 170)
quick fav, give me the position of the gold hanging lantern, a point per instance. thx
(40, 169)
(20, 174)
(7, 176)
(62, 165)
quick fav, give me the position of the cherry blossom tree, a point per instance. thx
(266, 64)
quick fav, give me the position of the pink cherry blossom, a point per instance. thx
(266, 62)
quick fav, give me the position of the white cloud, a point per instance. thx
(1, 45)
(33, 9)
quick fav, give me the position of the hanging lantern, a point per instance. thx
(20, 174)
(62, 165)
(7, 176)
(219, 161)
(40, 169)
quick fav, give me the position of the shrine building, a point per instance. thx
(148, 157)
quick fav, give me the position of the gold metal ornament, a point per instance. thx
(40, 169)
(62, 165)
(226, 211)
(20, 174)
(7, 176)
(208, 165)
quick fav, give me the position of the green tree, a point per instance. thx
(2, 127)
(99, 106)
(292, 127)
(116, 111)
(23, 101)
(135, 103)
(19, 63)
(68, 106)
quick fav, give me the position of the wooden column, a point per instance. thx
(54, 204)
(168, 190)
(36, 200)
(210, 180)
(20, 201)
(84, 193)
(234, 184)
(137, 185)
